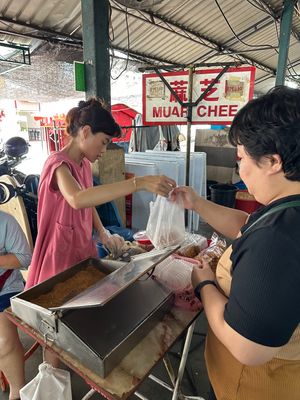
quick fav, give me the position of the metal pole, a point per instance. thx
(284, 40)
(184, 357)
(95, 32)
(140, 396)
(160, 382)
(89, 394)
(55, 138)
(181, 66)
(169, 369)
(188, 139)
(134, 136)
(189, 126)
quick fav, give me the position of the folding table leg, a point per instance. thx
(182, 364)
(176, 381)
(140, 396)
(89, 394)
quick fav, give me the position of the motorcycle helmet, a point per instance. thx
(15, 147)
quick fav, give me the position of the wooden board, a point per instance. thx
(15, 207)
(109, 169)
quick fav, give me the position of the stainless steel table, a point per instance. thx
(124, 380)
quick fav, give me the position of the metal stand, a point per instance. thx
(89, 394)
(176, 381)
(98, 385)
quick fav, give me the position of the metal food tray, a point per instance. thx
(100, 335)
(114, 283)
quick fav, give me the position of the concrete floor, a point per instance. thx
(195, 380)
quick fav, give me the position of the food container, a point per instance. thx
(143, 241)
(91, 309)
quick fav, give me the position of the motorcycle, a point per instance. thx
(12, 154)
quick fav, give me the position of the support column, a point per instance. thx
(95, 32)
(284, 40)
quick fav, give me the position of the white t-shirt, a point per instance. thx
(13, 240)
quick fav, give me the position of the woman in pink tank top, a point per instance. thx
(66, 196)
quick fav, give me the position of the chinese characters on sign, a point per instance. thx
(219, 105)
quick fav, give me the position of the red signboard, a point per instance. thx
(218, 107)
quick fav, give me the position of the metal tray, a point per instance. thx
(114, 283)
(100, 336)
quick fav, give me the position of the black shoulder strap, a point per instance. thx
(288, 204)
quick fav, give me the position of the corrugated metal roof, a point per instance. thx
(172, 31)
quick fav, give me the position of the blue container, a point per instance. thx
(126, 233)
(102, 252)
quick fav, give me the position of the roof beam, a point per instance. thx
(161, 22)
(143, 57)
(263, 23)
(276, 16)
(139, 56)
(172, 27)
(294, 63)
(263, 78)
(43, 38)
(50, 34)
(18, 55)
(216, 47)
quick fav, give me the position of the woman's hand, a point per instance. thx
(188, 195)
(202, 273)
(113, 243)
(104, 236)
(158, 184)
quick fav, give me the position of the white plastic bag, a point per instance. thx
(165, 225)
(49, 384)
(162, 144)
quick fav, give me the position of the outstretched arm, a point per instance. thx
(91, 197)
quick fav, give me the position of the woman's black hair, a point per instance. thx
(270, 125)
(93, 113)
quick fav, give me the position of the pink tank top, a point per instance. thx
(64, 234)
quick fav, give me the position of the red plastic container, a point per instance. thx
(143, 241)
(246, 202)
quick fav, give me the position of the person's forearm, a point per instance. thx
(101, 194)
(214, 304)
(9, 261)
(227, 221)
(244, 350)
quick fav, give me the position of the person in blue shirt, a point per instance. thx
(14, 254)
